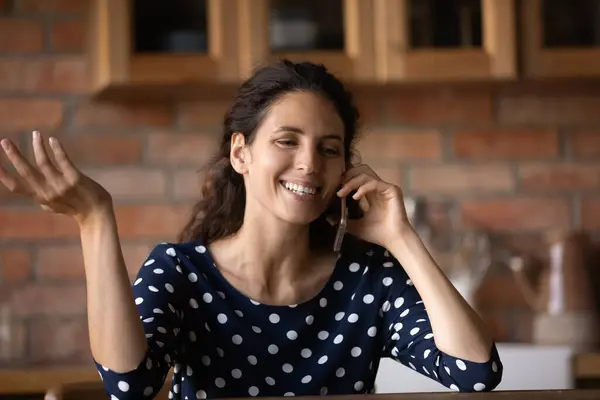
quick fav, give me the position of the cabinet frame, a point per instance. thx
(113, 63)
(355, 62)
(396, 61)
(540, 62)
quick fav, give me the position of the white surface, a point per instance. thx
(526, 367)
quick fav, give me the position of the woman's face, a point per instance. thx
(297, 158)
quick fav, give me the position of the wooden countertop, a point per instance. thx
(24, 381)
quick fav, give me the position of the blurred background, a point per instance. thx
(485, 112)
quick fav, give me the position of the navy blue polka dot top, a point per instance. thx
(220, 343)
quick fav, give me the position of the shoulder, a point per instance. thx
(166, 257)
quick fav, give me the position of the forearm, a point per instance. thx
(457, 329)
(116, 334)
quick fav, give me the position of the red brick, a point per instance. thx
(21, 36)
(15, 265)
(65, 262)
(187, 184)
(152, 221)
(563, 109)
(102, 148)
(59, 262)
(440, 106)
(64, 342)
(515, 214)
(48, 75)
(202, 113)
(530, 244)
(108, 114)
(48, 299)
(182, 149)
(400, 146)
(394, 176)
(547, 176)
(68, 36)
(131, 183)
(458, 179)
(30, 113)
(585, 145)
(52, 6)
(499, 144)
(135, 255)
(500, 292)
(590, 213)
(15, 349)
(34, 223)
(370, 105)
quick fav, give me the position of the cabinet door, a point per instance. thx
(158, 42)
(337, 33)
(561, 38)
(445, 40)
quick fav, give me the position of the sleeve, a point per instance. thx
(157, 295)
(408, 338)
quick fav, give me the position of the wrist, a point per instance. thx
(399, 238)
(99, 214)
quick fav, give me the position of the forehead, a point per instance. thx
(307, 111)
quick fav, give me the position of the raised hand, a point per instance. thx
(57, 186)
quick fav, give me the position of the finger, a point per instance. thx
(29, 174)
(354, 184)
(12, 183)
(363, 190)
(364, 205)
(41, 157)
(63, 161)
(7, 180)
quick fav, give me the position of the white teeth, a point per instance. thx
(299, 188)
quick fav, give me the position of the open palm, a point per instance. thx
(57, 186)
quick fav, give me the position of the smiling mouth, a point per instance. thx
(299, 189)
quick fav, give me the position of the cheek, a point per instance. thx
(269, 166)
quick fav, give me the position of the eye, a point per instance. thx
(331, 152)
(286, 142)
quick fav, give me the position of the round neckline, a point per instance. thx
(320, 294)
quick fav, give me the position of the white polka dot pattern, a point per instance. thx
(223, 344)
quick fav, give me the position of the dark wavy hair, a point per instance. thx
(220, 211)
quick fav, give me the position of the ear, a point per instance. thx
(239, 156)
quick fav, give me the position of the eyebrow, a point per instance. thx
(288, 128)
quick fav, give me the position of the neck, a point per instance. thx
(267, 250)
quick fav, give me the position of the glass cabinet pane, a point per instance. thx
(304, 25)
(445, 23)
(571, 23)
(175, 26)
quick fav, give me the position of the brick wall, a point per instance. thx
(515, 159)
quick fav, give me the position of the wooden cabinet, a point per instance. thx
(196, 43)
(337, 33)
(561, 38)
(157, 42)
(441, 40)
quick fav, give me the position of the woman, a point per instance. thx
(253, 300)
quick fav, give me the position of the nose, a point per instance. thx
(308, 160)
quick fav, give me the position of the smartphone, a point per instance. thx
(343, 209)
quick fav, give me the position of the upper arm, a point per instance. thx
(158, 291)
